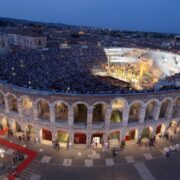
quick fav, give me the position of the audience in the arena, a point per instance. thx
(61, 70)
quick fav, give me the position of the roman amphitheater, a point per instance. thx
(134, 110)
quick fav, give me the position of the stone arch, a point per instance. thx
(31, 132)
(172, 129)
(80, 138)
(99, 110)
(4, 124)
(12, 102)
(165, 107)
(26, 103)
(147, 132)
(63, 138)
(114, 139)
(46, 135)
(17, 127)
(151, 109)
(43, 109)
(61, 111)
(176, 108)
(97, 139)
(118, 106)
(160, 130)
(131, 136)
(134, 112)
(116, 116)
(80, 112)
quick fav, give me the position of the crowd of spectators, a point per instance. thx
(66, 70)
(58, 69)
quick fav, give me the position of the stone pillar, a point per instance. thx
(89, 118)
(35, 112)
(71, 138)
(125, 115)
(6, 104)
(140, 130)
(169, 110)
(70, 116)
(157, 112)
(108, 117)
(106, 142)
(88, 141)
(123, 134)
(54, 135)
(52, 114)
(20, 110)
(142, 114)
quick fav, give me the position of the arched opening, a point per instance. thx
(176, 108)
(147, 132)
(131, 136)
(31, 132)
(97, 140)
(80, 113)
(117, 111)
(172, 128)
(27, 106)
(63, 138)
(79, 138)
(134, 112)
(98, 113)
(61, 112)
(46, 135)
(114, 139)
(160, 130)
(43, 110)
(16, 127)
(2, 101)
(4, 126)
(116, 116)
(151, 110)
(164, 109)
(12, 102)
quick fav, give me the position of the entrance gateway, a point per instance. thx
(97, 140)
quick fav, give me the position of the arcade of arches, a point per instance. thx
(114, 138)
(160, 112)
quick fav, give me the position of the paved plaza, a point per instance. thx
(133, 163)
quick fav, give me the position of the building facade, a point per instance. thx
(79, 120)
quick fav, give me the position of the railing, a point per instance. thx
(98, 125)
(80, 125)
(102, 93)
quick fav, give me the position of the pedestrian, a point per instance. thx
(20, 138)
(57, 146)
(23, 137)
(114, 152)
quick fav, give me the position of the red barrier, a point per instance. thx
(31, 155)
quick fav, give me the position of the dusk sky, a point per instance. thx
(144, 15)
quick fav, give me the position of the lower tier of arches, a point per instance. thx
(41, 133)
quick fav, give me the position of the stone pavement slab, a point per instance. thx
(35, 177)
(130, 159)
(109, 162)
(88, 163)
(67, 162)
(147, 156)
(143, 171)
(46, 159)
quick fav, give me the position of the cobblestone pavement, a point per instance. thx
(131, 163)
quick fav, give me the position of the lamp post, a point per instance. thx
(2, 151)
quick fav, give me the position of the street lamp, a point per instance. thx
(2, 151)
